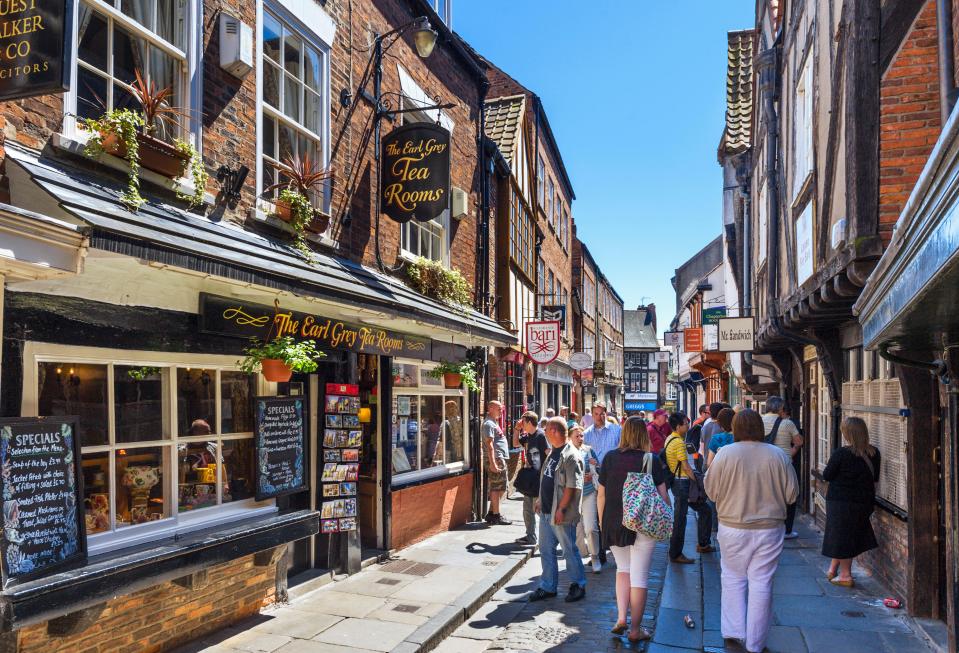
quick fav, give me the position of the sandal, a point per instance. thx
(843, 583)
(643, 636)
(830, 575)
(620, 628)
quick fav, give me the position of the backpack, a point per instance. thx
(771, 438)
(670, 473)
(644, 510)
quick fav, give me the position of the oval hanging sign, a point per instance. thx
(415, 174)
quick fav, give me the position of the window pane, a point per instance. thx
(287, 142)
(195, 396)
(453, 429)
(162, 73)
(404, 376)
(196, 475)
(129, 55)
(123, 99)
(311, 112)
(313, 72)
(171, 21)
(237, 391)
(75, 389)
(237, 470)
(269, 137)
(139, 10)
(96, 491)
(405, 431)
(91, 94)
(292, 47)
(141, 495)
(271, 37)
(291, 97)
(92, 33)
(138, 403)
(271, 85)
(431, 432)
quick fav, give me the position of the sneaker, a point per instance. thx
(791, 536)
(498, 520)
(526, 540)
(576, 593)
(541, 594)
(488, 518)
(597, 566)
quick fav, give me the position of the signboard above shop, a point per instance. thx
(581, 360)
(673, 338)
(737, 334)
(712, 315)
(35, 47)
(542, 341)
(415, 173)
(693, 339)
(555, 313)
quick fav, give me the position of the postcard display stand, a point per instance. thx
(342, 439)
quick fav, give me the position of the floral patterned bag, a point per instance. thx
(644, 510)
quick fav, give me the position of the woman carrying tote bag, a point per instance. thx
(633, 551)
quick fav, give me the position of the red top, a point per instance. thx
(657, 436)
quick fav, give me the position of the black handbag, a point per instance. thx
(527, 480)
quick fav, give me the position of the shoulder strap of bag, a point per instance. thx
(771, 438)
(679, 463)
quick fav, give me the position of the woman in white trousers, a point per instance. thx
(752, 483)
(587, 531)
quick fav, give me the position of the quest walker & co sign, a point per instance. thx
(415, 174)
(35, 48)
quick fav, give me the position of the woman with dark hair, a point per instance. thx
(724, 436)
(752, 483)
(852, 474)
(633, 551)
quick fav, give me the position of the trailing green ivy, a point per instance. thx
(125, 124)
(433, 279)
(301, 213)
(466, 369)
(197, 170)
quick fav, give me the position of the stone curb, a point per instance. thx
(434, 631)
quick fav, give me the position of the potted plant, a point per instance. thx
(300, 176)
(433, 279)
(456, 374)
(280, 357)
(132, 135)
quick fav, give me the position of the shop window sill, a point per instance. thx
(77, 146)
(419, 477)
(123, 572)
(262, 215)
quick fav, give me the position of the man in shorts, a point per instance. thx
(496, 453)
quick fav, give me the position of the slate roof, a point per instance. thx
(636, 333)
(737, 136)
(166, 234)
(504, 116)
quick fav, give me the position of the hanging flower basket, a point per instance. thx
(452, 380)
(455, 374)
(275, 370)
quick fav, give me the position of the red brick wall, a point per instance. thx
(909, 118)
(167, 615)
(430, 508)
(890, 561)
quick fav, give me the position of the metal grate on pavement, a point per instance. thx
(409, 567)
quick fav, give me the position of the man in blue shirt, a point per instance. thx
(601, 436)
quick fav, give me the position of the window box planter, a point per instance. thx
(156, 155)
(317, 225)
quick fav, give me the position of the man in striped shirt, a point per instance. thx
(601, 436)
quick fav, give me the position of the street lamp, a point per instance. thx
(424, 37)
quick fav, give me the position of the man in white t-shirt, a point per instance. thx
(782, 432)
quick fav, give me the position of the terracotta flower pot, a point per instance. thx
(155, 155)
(283, 210)
(452, 380)
(318, 225)
(275, 370)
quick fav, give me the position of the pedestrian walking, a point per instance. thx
(587, 531)
(658, 430)
(751, 482)
(601, 436)
(560, 495)
(573, 419)
(678, 463)
(632, 551)
(782, 432)
(711, 426)
(852, 474)
(703, 415)
(496, 449)
(724, 436)
(535, 447)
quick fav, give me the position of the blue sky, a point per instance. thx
(635, 92)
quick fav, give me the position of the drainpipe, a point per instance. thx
(482, 298)
(947, 84)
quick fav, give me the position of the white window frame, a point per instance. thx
(803, 126)
(177, 523)
(420, 390)
(190, 90)
(541, 181)
(550, 194)
(305, 20)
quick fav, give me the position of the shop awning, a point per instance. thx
(910, 300)
(165, 234)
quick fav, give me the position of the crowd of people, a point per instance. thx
(735, 468)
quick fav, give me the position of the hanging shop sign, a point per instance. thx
(42, 490)
(415, 173)
(599, 368)
(693, 339)
(232, 317)
(712, 315)
(280, 434)
(673, 338)
(581, 360)
(737, 334)
(542, 341)
(662, 356)
(555, 313)
(35, 52)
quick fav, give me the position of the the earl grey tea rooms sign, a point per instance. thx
(35, 47)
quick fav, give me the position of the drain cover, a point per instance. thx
(556, 635)
(409, 567)
(405, 608)
(389, 581)
(491, 563)
(854, 613)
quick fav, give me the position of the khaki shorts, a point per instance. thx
(496, 481)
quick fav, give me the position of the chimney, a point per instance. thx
(651, 309)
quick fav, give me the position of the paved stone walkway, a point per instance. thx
(406, 604)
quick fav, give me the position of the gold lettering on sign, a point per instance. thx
(13, 48)
(411, 165)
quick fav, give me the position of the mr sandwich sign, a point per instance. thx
(736, 334)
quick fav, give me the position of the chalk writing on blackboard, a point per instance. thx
(281, 445)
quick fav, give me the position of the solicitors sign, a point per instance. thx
(35, 48)
(415, 174)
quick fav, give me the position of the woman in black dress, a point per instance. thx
(852, 474)
(633, 552)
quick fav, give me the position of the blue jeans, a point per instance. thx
(549, 536)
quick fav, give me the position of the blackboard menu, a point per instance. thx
(41, 486)
(280, 431)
